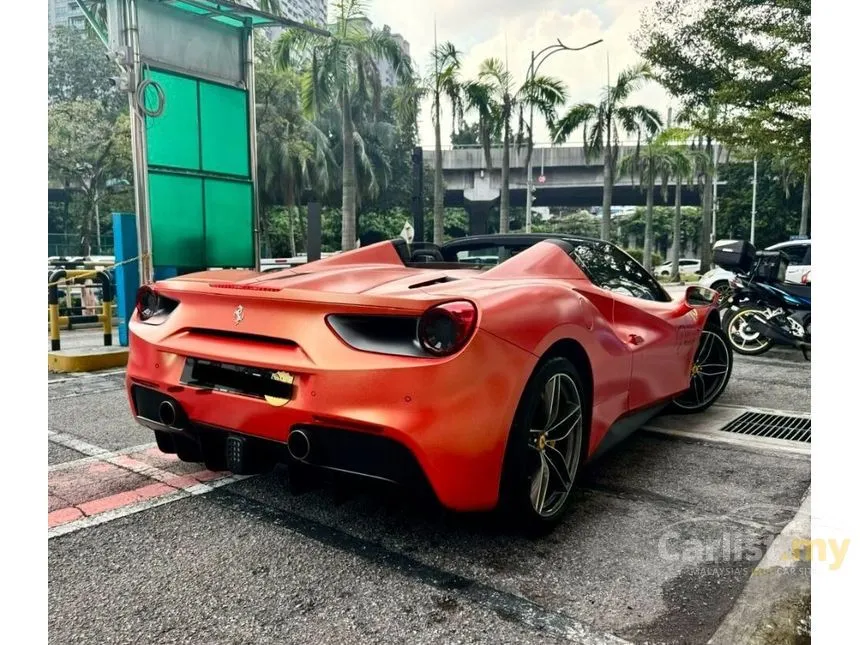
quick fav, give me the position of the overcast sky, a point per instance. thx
(484, 28)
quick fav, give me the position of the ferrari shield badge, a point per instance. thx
(238, 314)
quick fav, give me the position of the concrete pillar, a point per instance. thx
(479, 216)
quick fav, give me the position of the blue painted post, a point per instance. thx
(164, 273)
(126, 276)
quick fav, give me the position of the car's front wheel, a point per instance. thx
(545, 447)
(709, 373)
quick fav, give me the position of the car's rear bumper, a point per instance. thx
(446, 419)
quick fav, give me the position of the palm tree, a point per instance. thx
(478, 97)
(496, 97)
(680, 162)
(342, 71)
(444, 81)
(601, 124)
(293, 154)
(645, 166)
(703, 122)
(791, 170)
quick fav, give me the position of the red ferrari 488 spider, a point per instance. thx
(490, 368)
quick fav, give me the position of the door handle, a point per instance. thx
(635, 339)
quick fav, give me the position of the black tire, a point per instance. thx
(214, 457)
(729, 319)
(688, 402)
(723, 288)
(187, 449)
(525, 454)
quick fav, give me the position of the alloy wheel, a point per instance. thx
(709, 372)
(555, 433)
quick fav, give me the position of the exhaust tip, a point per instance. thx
(167, 414)
(298, 445)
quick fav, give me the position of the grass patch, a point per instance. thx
(788, 624)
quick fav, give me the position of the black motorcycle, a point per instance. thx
(763, 310)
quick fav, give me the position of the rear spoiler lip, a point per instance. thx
(418, 301)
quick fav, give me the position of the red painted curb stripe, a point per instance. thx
(63, 515)
(111, 502)
(124, 499)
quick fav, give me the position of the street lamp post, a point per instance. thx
(755, 187)
(536, 61)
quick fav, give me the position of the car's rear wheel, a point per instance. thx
(545, 447)
(709, 374)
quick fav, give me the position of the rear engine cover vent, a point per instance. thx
(430, 283)
(773, 426)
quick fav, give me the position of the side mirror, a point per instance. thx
(697, 296)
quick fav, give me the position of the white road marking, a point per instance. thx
(120, 459)
(116, 458)
(83, 461)
(74, 443)
(131, 509)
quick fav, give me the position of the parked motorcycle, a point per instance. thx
(763, 310)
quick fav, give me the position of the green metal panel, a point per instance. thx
(184, 6)
(229, 223)
(224, 129)
(176, 219)
(228, 21)
(224, 13)
(173, 138)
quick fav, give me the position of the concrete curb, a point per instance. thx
(777, 584)
(87, 359)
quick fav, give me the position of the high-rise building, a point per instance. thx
(65, 13)
(387, 73)
(315, 11)
(303, 11)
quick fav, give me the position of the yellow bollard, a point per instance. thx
(107, 322)
(54, 319)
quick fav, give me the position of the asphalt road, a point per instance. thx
(210, 560)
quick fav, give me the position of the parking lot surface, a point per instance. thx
(146, 549)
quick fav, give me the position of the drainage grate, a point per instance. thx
(773, 426)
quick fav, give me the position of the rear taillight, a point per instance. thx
(445, 329)
(152, 307)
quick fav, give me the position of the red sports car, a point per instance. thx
(490, 368)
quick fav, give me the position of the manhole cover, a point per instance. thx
(773, 426)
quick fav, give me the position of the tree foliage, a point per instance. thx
(750, 57)
(498, 101)
(340, 82)
(79, 69)
(87, 150)
(601, 124)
